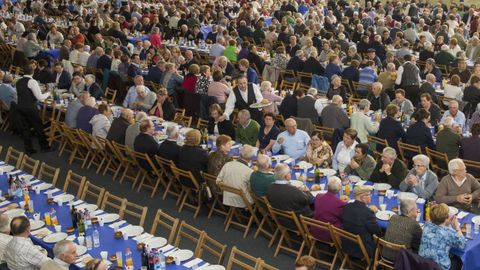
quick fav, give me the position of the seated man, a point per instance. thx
(247, 129)
(119, 126)
(389, 169)
(263, 177)
(74, 108)
(359, 219)
(169, 149)
(459, 188)
(132, 91)
(292, 142)
(145, 142)
(101, 122)
(5, 236)
(236, 174)
(144, 101)
(286, 197)
(362, 164)
(86, 113)
(65, 254)
(420, 180)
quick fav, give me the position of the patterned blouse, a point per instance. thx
(201, 87)
(216, 160)
(437, 242)
(323, 152)
(280, 61)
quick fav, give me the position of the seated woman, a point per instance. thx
(217, 159)
(336, 88)
(216, 126)
(441, 235)
(267, 93)
(190, 80)
(420, 180)
(163, 107)
(362, 164)
(318, 151)
(268, 133)
(419, 133)
(390, 128)
(470, 147)
(345, 150)
(453, 89)
(192, 157)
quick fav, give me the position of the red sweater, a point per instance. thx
(189, 83)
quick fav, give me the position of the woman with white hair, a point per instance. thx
(420, 180)
(459, 188)
(267, 93)
(361, 122)
(389, 169)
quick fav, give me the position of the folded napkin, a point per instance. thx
(205, 265)
(84, 258)
(172, 252)
(97, 212)
(55, 190)
(360, 183)
(287, 161)
(78, 202)
(5, 203)
(58, 196)
(117, 224)
(462, 214)
(166, 248)
(191, 263)
(34, 181)
(421, 200)
(15, 172)
(142, 237)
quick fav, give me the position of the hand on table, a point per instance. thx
(345, 198)
(373, 208)
(464, 198)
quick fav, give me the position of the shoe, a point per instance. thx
(31, 152)
(46, 150)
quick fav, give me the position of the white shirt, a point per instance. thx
(237, 175)
(22, 254)
(320, 104)
(344, 156)
(4, 240)
(33, 85)
(230, 105)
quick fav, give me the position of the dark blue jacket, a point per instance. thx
(420, 134)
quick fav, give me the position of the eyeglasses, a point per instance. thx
(418, 166)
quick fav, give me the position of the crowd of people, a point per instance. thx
(413, 67)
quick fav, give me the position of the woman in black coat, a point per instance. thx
(192, 157)
(217, 127)
(390, 128)
(419, 133)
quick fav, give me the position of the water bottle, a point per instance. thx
(96, 237)
(88, 221)
(162, 261)
(88, 241)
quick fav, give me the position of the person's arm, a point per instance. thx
(398, 80)
(35, 88)
(397, 174)
(276, 146)
(430, 186)
(371, 223)
(441, 195)
(128, 99)
(344, 119)
(334, 159)
(475, 188)
(416, 237)
(35, 257)
(366, 169)
(229, 106)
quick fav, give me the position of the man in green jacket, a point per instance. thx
(448, 141)
(263, 177)
(362, 164)
(247, 129)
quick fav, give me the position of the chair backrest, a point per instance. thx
(243, 260)
(75, 180)
(112, 204)
(189, 233)
(94, 192)
(213, 248)
(309, 223)
(48, 173)
(241, 194)
(378, 259)
(326, 132)
(180, 111)
(29, 165)
(340, 236)
(185, 177)
(286, 220)
(408, 150)
(168, 224)
(183, 120)
(473, 167)
(439, 161)
(14, 157)
(135, 211)
(264, 266)
(202, 124)
(287, 85)
(376, 145)
(110, 95)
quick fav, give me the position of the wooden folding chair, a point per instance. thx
(48, 173)
(216, 204)
(98, 156)
(29, 165)
(317, 246)
(439, 161)
(471, 164)
(287, 85)
(379, 260)
(202, 124)
(243, 260)
(264, 266)
(167, 224)
(348, 85)
(288, 75)
(4, 115)
(144, 179)
(326, 132)
(79, 151)
(190, 190)
(109, 95)
(113, 164)
(56, 132)
(376, 145)
(407, 151)
(127, 162)
(339, 236)
(267, 226)
(189, 233)
(180, 111)
(280, 120)
(169, 181)
(235, 214)
(213, 248)
(289, 227)
(135, 211)
(14, 157)
(183, 120)
(361, 86)
(75, 180)
(113, 204)
(93, 192)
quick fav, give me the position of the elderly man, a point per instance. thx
(236, 174)
(101, 122)
(74, 108)
(119, 126)
(78, 84)
(8, 93)
(458, 116)
(132, 91)
(292, 142)
(86, 113)
(459, 188)
(420, 180)
(145, 142)
(169, 149)
(448, 139)
(217, 48)
(92, 87)
(362, 123)
(247, 129)
(189, 60)
(306, 105)
(5, 236)
(93, 59)
(389, 169)
(135, 68)
(284, 196)
(378, 98)
(359, 219)
(333, 116)
(65, 254)
(31, 47)
(20, 253)
(242, 96)
(263, 177)
(144, 101)
(429, 88)
(134, 129)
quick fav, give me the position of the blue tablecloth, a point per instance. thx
(206, 29)
(268, 21)
(135, 39)
(52, 53)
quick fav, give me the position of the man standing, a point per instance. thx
(292, 141)
(408, 77)
(244, 95)
(65, 254)
(28, 93)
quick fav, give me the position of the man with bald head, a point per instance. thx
(119, 126)
(65, 254)
(263, 177)
(292, 142)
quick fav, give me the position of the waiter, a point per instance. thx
(242, 96)
(28, 93)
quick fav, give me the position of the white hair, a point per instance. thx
(390, 152)
(281, 171)
(90, 77)
(312, 91)
(247, 152)
(423, 159)
(264, 162)
(171, 131)
(364, 103)
(334, 184)
(454, 164)
(407, 205)
(448, 121)
(140, 88)
(140, 116)
(61, 247)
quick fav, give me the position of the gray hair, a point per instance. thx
(336, 99)
(172, 131)
(364, 103)
(407, 205)
(390, 151)
(423, 159)
(391, 67)
(90, 77)
(312, 91)
(453, 102)
(264, 162)
(454, 164)
(430, 77)
(448, 121)
(281, 171)
(299, 53)
(4, 224)
(334, 184)
(244, 112)
(140, 116)
(247, 152)
(125, 113)
(140, 88)
(61, 247)
(90, 102)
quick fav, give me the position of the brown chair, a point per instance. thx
(109, 95)
(180, 111)
(94, 192)
(75, 180)
(29, 165)
(56, 132)
(348, 85)
(212, 247)
(167, 223)
(471, 164)
(4, 115)
(144, 179)
(326, 132)
(113, 204)
(128, 164)
(78, 150)
(287, 85)
(339, 236)
(267, 226)
(439, 161)
(216, 204)
(183, 120)
(376, 145)
(264, 266)
(379, 260)
(14, 157)
(48, 173)
(361, 86)
(202, 124)
(169, 182)
(317, 246)
(407, 151)
(189, 233)
(135, 211)
(289, 227)
(190, 190)
(240, 259)
(111, 162)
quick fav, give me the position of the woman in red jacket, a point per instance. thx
(190, 80)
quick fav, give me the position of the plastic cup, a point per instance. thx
(177, 261)
(297, 175)
(475, 228)
(58, 228)
(469, 231)
(36, 216)
(101, 222)
(60, 201)
(104, 255)
(125, 236)
(81, 240)
(322, 186)
(383, 207)
(381, 200)
(37, 190)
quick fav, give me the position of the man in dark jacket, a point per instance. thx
(389, 169)
(145, 143)
(296, 63)
(119, 126)
(61, 77)
(169, 149)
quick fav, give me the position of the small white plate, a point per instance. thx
(476, 219)
(90, 207)
(65, 198)
(215, 267)
(296, 183)
(318, 192)
(36, 224)
(109, 218)
(281, 157)
(156, 242)
(385, 215)
(407, 196)
(133, 231)
(27, 177)
(8, 168)
(304, 165)
(260, 105)
(354, 178)
(452, 211)
(182, 254)
(43, 186)
(382, 186)
(328, 172)
(55, 237)
(81, 250)
(14, 213)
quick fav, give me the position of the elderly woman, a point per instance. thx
(217, 159)
(190, 80)
(389, 169)
(420, 180)
(404, 229)
(192, 157)
(361, 121)
(218, 88)
(329, 208)
(441, 235)
(345, 150)
(144, 101)
(203, 82)
(336, 88)
(216, 125)
(459, 188)
(163, 107)
(351, 55)
(362, 164)
(268, 133)
(318, 151)
(280, 59)
(453, 89)
(267, 93)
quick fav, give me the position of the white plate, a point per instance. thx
(90, 207)
(14, 213)
(354, 178)
(65, 198)
(109, 218)
(296, 183)
(81, 250)
(328, 172)
(182, 254)
(304, 165)
(214, 267)
(27, 177)
(36, 224)
(476, 219)
(385, 215)
(318, 192)
(156, 242)
(281, 157)
(452, 211)
(260, 105)
(133, 231)
(407, 196)
(382, 186)
(43, 186)
(55, 237)
(161, 137)
(8, 168)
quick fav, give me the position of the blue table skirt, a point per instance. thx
(135, 39)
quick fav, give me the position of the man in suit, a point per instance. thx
(189, 60)
(292, 47)
(306, 104)
(104, 62)
(61, 77)
(65, 50)
(312, 65)
(65, 254)
(44, 74)
(145, 142)
(473, 49)
(389, 169)
(134, 68)
(169, 149)
(333, 115)
(427, 87)
(359, 219)
(92, 87)
(296, 63)
(119, 126)
(155, 73)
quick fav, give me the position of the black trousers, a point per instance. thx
(413, 93)
(30, 118)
